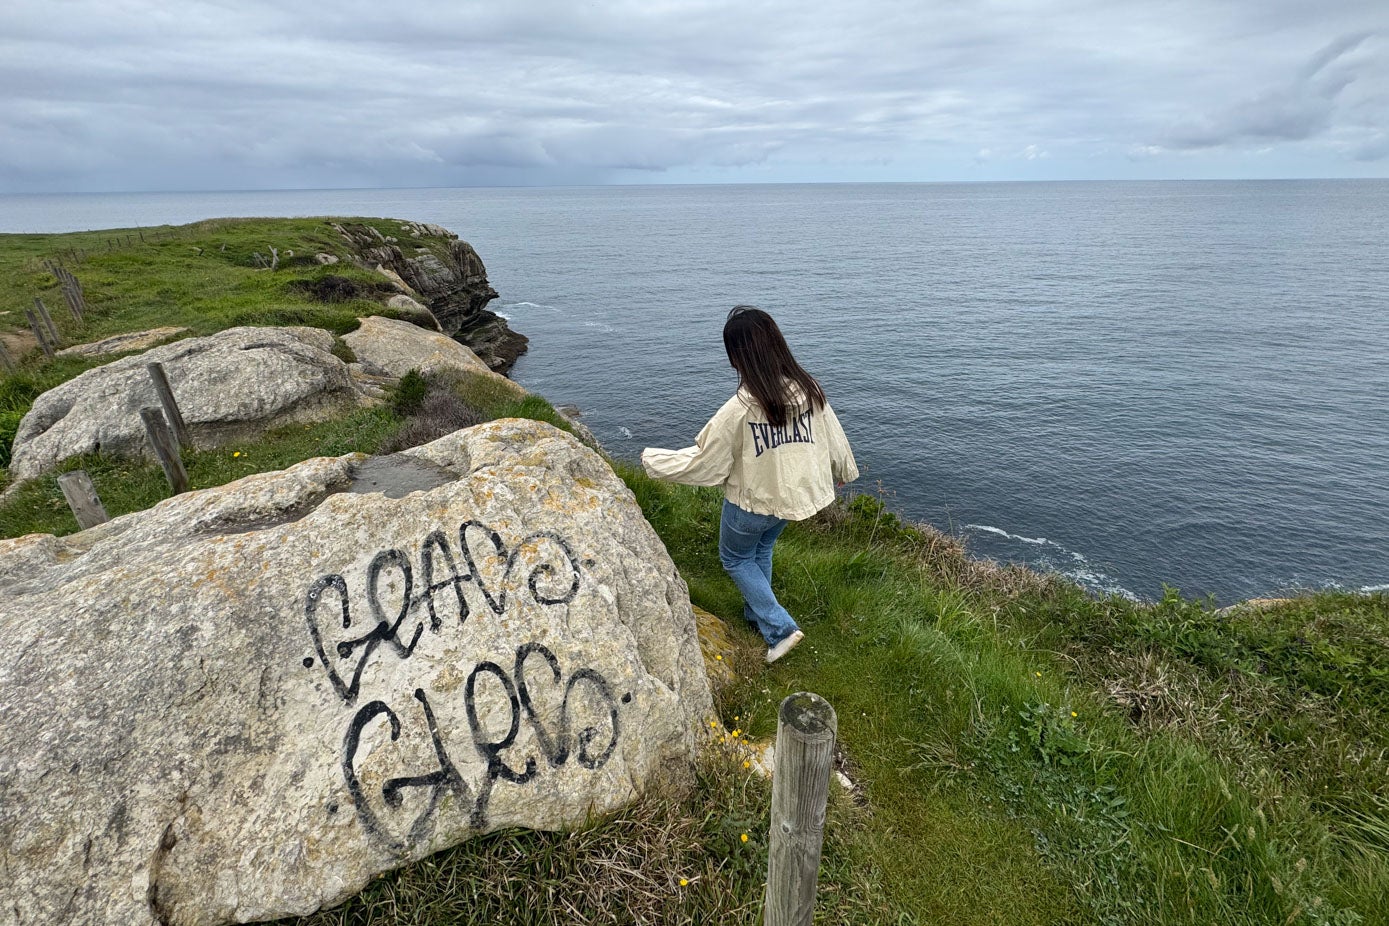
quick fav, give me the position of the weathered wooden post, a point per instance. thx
(36, 327)
(166, 399)
(72, 298)
(806, 729)
(82, 499)
(165, 448)
(47, 319)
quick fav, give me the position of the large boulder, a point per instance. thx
(122, 343)
(399, 346)
(247, 702)
(229, 386)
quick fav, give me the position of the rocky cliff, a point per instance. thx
(449, 279)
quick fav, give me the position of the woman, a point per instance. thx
(777, 449)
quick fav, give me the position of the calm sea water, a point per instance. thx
(1129, 383)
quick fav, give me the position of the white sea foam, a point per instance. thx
(1082, 573)
(1099, 582)
(526, 305)
(626, 432)
(1375, 588)
(1035, 541)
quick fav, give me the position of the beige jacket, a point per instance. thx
(788, 472)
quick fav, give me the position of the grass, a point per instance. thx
(1004, 774)
(203, 277)
(1023, 753)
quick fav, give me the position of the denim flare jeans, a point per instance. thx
(745, 549)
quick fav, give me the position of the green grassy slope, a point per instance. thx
(1022, 753)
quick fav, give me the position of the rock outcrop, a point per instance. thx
(229, 385)
(246, 702)
(398, 346)
(122, 343)
(451, 282)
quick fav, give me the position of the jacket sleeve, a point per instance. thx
(710, 461)
(842, 464)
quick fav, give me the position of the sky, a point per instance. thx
(143, 95)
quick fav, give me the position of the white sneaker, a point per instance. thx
(784, 647)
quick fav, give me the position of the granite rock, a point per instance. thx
(398, 346)
(247, 702)
(229, 386)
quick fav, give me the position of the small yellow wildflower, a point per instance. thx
(684, 882)
(744, 837)
(719, 657)
(1074, 714)
(1039, 675)
(237, 453)
(747, 764)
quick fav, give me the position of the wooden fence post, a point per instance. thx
(82, 499)
(47, 319)
(165, 448)
(166, 399)
(37, 327)
(805, 734)
(70, 294)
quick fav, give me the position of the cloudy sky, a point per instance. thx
(244, 94)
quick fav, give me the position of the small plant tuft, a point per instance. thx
(409, 393)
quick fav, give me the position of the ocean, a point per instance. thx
(1135, 384)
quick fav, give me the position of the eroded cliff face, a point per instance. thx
(448, 277)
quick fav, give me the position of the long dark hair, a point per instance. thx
(764, 363)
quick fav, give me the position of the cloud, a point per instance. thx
(1300, 109)
(140, 94)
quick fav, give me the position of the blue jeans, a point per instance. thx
(745, 549)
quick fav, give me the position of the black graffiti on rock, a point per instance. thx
(558, 744)
(553, 580)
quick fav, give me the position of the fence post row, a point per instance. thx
(805, 736)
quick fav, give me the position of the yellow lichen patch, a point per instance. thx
(448, 679)
(714, 642)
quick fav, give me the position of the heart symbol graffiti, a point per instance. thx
(556, 590)
(349, 651)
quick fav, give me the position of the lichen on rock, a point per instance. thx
(247, 702)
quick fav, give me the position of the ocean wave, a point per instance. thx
(526, 305)
(1375, 588)
(1038, 541)
(1097, 581)
(1079, 570)
(625, 432)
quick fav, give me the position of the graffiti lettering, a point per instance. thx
(585, 690)
(555, 579)
(571, 718)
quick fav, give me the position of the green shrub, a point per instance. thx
(9, 426)
(409, 393)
